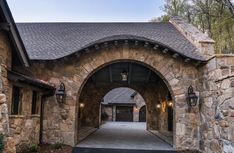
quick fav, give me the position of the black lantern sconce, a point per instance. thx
(60, 93)
(124, 75)
(192, 98)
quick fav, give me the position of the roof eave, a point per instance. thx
(14, 34)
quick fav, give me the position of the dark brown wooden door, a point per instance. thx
(124, 113)
(142, 114)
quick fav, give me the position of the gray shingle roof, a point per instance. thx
(119, 95)
(49, 41)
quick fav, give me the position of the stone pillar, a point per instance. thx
(9, 146)
(217, 111)
(114, 113)
(136, 114)
(4, 118)
(202, 41)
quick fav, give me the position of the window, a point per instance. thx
(35, 108)
(16, 100)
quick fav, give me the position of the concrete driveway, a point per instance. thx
(124, 135)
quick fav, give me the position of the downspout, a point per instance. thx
(41, 119)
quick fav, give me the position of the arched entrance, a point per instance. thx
(121, 104)
(125, 73)
(77, 73)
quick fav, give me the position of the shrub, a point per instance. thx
(27, 148)
(58, 145)
(33, 148)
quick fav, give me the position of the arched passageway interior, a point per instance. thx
(158, 106)
(122, 105)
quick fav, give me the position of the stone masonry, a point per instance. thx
(5, 64)
(208, 128)
(217, 101)
(74, 72)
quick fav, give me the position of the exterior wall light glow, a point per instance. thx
(82, 105)
(158, 106)
(170, 104)
(192, 98)
(60, 93)
(124, 75)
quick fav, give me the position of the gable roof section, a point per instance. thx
(50, 41)
(13, 32)
(120, 95)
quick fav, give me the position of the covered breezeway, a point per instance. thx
(138, 77)
(124, 136)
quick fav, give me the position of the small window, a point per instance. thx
(35, 107)
(16, 100)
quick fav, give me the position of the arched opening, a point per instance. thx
(121, 105)
(128, 74)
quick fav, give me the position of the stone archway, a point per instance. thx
(74, 71)
(153, 89)
(177, 75)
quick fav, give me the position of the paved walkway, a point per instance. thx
(124, 135)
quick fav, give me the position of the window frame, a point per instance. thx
(18, 104)
(35, 103)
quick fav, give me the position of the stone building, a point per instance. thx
(87, 60)
(123, 104)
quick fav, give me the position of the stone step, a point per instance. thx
(105, 150)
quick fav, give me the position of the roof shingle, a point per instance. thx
(49, 41)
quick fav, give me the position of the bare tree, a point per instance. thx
(230, 5)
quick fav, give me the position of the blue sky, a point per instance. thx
(85, 10)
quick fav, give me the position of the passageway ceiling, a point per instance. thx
(137, 74)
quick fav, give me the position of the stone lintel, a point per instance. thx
(202, 41)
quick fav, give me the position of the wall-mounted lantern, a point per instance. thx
(124, 75)
(192, 98)
(60, 93)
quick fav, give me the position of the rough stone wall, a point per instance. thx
(4, 118)
(217, 105)
(25, 127)
(74, 71)
(5, 64)
(139, 103)
(109, 112)
(5, 61)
